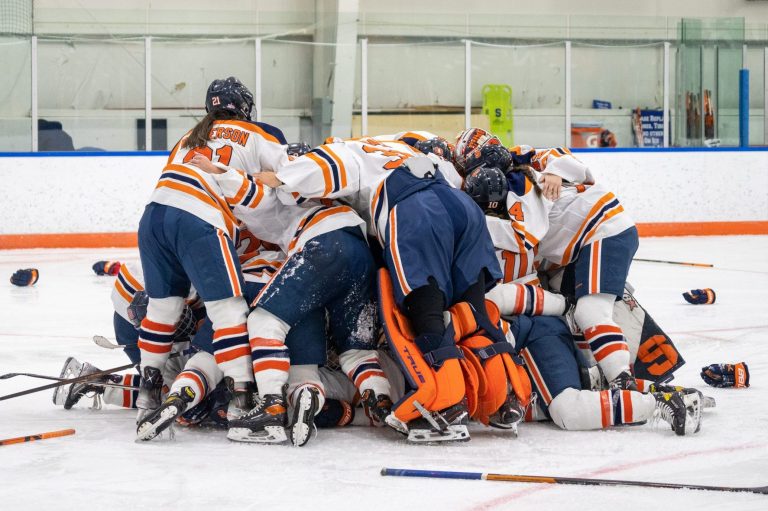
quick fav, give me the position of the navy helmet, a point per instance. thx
(490, 155)
(298, 149)
(438, 145)
(231, 96)
(488, 188)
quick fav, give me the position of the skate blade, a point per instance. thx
(512, 427)
(270, 435)
(708, 402)
(455, 433)
(146, 431)
(304, 415)
(71, 369)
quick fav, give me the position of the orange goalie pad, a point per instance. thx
(495, 370)
(433, 389)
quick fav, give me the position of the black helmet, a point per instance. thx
(229, 95)
(298, 149)
(490, 155)
(488, 188)
(438, 145)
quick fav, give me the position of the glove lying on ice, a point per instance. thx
(700, 296)
(726, 375)
(106, 267)
(26, 277)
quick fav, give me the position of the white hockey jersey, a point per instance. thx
(239, 144)
(351, 171)
(584, 213)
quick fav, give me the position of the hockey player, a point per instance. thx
(437, 252)
(586, 230)
(547, 346)
(187, 236)
(329, 267)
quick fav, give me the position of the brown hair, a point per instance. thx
(528, 172)
(198, 137)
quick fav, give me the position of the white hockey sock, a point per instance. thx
(515, 299)
(577, 410)
(157, 330)
(303, 376)
(594, 315)
(123, 397)
(271, 360)
(364, 370)
(230, 337)
(201, 374)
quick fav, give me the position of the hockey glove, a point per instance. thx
(726, 375)
(26, 277)
(106, 267)
(137, 310)
(700, 296)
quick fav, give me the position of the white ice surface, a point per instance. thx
(102, 468)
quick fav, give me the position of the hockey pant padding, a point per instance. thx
(201, 374)
(578, 410)
(364, 370)
(515, 299)
(230, 337)
(271, 359)
(157, 330)
(594, 315)
(490, 370)
(302, 376)
(437, 384)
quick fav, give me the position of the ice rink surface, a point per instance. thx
(102, 468)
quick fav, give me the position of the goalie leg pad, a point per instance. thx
(436, 377)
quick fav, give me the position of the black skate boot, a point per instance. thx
(509, 415)
(264, 424)
(624, 381)
(377, 408)
(155, 422)
(447, 425)
(149, 392)
(69, 395)
(303, 420)
(681, 411)
(241, 399)
(706, 401)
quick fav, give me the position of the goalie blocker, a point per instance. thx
(479, 366)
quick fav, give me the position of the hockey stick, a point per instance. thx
(39, 436)
(441, 474)
(700, 265)
(54, 378)
(79, 379)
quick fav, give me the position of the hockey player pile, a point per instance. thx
(396, 280)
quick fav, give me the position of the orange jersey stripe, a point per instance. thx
(123, 292)
(326, 171)
(597, 207)
(340, 164)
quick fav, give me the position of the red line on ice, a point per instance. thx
(504, 499)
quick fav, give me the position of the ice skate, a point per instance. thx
(241, 400)
(69, 395)
(624, 381)
(304, 410)
(149, 392)
(264, 424)
(509, 415)
(377, 408)
(706, 401)
(681, 411)
(447, 425)
(157, 421)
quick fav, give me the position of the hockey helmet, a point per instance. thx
(231, 96)
(438, 145)
(488, 188)
(490, 155)
(298, 149)
(469, 141)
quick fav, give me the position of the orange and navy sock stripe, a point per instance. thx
(364, 369)
(230, 343)
(129, 396)
(269, 354)
(604, 340)
(198, 379)
(156, 337)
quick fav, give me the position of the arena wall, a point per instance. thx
(96, 199)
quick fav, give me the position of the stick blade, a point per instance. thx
(103, 342)
(8, 375)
